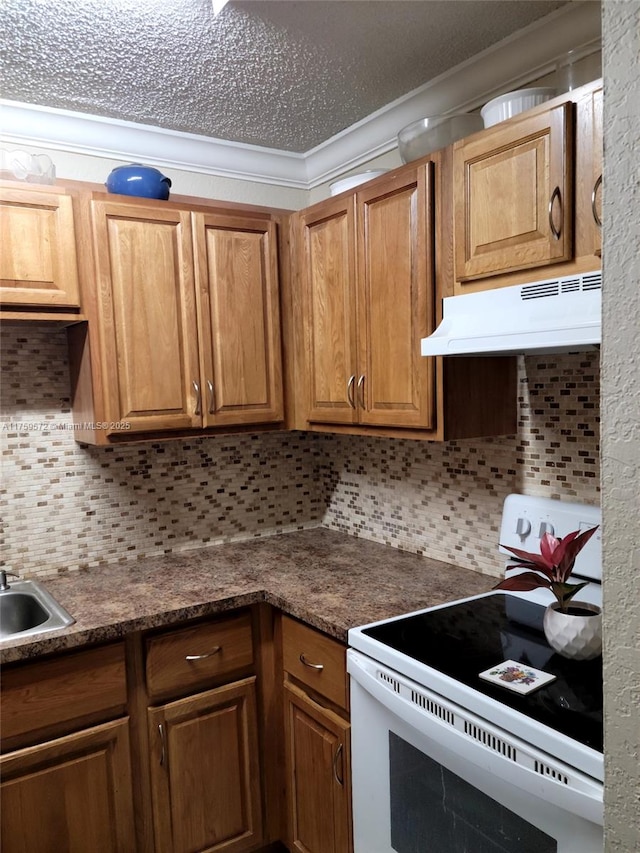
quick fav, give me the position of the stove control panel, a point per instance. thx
(526, 519)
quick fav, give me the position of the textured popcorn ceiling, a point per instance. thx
(285, 75)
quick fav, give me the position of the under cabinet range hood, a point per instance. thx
(555, 315)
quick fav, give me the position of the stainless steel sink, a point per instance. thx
(26, 609)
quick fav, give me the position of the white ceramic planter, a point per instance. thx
(575, 637)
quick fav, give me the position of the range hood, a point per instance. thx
(555, 315)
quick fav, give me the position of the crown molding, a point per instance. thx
(512, 63)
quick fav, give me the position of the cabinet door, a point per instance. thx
(71, 794)
(147, 315)
(327, 262)
(589, 175)
(205, 771)
(38, 249)
(513, 196)
(236, 262)
(318, 775)
(395, 301)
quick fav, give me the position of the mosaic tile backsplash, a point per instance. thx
(65, 506)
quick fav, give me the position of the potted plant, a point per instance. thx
(573, 629)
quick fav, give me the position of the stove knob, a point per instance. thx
(546, 527)
(523, 527)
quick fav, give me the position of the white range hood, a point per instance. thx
(555, 315)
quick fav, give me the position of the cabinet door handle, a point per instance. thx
(163, 752)
(352, 379)
(361, 391)
(318, 666)
(212, 398)
(214, 651)
(196, 388)
(555, 195)
(336, 756)
(594, 196)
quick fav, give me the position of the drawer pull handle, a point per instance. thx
(336, 756)
(196, 388)
(555, 194)
(594, 198)
(352, 379)
(216, 650)
(318, 666)
(163, 752)
(212, 398)
(361, 391)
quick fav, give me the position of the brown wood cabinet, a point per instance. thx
(184, 329)
(202, 742)
(205, 772)
(66, 771)
(371, 269)
(38, 259)
(513, 194)
(366, 267)
(527, 195)
(317, 741)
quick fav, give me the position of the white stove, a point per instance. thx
(445, 761)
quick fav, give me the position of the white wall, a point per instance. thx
(621, 423)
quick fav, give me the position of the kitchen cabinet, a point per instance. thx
(513, 195)
(205, 773)
(372, 267)
(66, 772)
(317, 741)
(366, 268)
(184, 327)
(38, 262)
(589, 173)
(527, 195)
(203, 746)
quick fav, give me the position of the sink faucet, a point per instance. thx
(3, 579)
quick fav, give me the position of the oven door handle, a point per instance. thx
(464, 734)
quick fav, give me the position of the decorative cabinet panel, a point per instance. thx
(328, 271)
(184, 329)
(366, 267)
(147, 311)
(71, 794)
(513, 195)
(38, 261)
(395, 301)
(205, 773)
(237, 279)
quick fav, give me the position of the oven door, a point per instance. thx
(429, 776)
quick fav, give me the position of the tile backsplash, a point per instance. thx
(65, 506)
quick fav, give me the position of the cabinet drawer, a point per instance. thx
(316, 660)
(86, 685)
(194, 655)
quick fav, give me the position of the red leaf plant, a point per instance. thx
(551, 567)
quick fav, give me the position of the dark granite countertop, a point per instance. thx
(328, 579)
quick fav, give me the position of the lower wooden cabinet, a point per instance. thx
(318, 776)
(205, 773)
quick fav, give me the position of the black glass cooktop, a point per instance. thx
(465, 639)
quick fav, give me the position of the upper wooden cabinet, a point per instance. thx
(527, 195)
(371, 267)
(238, 304)
(38, 267)
(513, 195)
(365, 263)
(184, 328)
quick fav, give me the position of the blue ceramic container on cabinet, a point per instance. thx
(138, 180)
